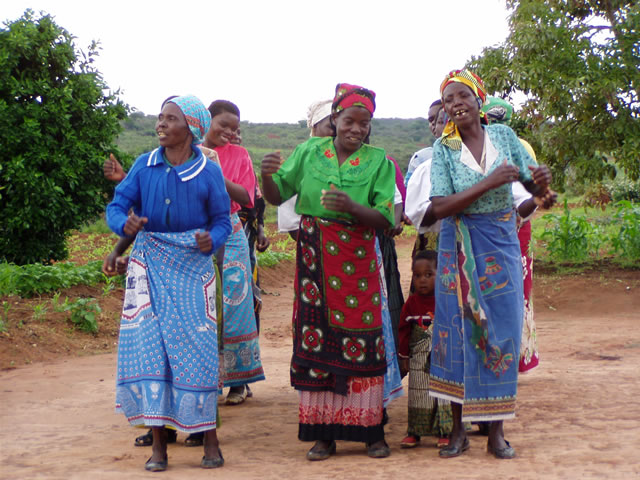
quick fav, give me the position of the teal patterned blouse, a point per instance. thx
(454, 171)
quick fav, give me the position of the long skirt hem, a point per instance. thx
(311, 433)
(160, 421)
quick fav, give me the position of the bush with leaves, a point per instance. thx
(84, 314)
(36, 279)
(571, 237)
(58, 122)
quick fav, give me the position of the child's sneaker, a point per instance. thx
(410, 441)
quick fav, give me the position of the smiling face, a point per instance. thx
(432, 117)
(424, 276)
(352, 127)
(171, 127)
(223, 128)
(461, 104)
(237, 137)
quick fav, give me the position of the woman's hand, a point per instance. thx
(112, 169)
(336, 200)
(115, 265)
(262, 242)
(109, 264)
(210, 154)
(121, 264)
(203, 239)
(547, 199)
(395, 231)
(134, 224)
(271, 163)
(505, 173)
(541, 176)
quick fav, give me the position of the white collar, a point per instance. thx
(488, 150)
(187, 170)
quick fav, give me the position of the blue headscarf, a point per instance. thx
(197, 115)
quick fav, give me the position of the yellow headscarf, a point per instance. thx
(450, 135)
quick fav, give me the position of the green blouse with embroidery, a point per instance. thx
(367, 176)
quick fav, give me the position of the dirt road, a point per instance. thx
(578, 412)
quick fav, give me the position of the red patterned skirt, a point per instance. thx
(356, 416)
(338, 361)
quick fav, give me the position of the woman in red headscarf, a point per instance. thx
(345, 191)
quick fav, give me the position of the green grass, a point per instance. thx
(97, 226)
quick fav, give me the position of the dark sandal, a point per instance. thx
(504, 453)
(194, 440)
(213, 462)
(156, 466)
(451, 450)
(315, 455)
(146, 440)
(379, 452)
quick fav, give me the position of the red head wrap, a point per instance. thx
(353, 96)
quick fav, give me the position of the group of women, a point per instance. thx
(343, 363)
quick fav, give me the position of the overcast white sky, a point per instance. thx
(274, 57)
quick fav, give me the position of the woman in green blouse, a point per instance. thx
(345, 191)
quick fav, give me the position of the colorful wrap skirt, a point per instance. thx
(251, 232)
(529, 346)
(242, 362)
(392, 378)
(168, 365)
(339, 360)
(479, 312)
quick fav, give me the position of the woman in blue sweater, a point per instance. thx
(168, 365)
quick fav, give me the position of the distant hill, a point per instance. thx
(398, 136)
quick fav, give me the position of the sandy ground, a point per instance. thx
(578, 412)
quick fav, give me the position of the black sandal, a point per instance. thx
(213, 462)
(156, 466)
(146, 440)
(194, 440)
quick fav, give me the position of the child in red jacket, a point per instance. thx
(427, 415)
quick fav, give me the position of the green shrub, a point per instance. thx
(84, 314)
(627, 241)
(29, 280)
(624, 189)
(571, 238)
(58, 122)
(271, 258)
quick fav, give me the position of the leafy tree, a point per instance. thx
(578, 62)
(57, 124)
